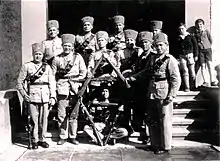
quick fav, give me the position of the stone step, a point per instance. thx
(178, 121)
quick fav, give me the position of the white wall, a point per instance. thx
(34, 17)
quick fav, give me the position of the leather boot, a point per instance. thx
(186, 83)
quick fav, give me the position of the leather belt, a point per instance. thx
(39, 83)
(159, 79)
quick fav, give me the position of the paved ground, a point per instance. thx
(123, 151)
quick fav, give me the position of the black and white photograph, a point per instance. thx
(109, 80)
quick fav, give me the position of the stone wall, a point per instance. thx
(10, 43)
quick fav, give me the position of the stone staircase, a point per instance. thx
(193, 117)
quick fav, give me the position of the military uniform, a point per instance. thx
(53, 46)
(163, 87)
(117, 40)
(68, 67)
(40, 90)
(87, 43)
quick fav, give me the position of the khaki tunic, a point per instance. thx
(118, 41)
(66, 86)
(95, 57)
(53, 47)
(37, 93)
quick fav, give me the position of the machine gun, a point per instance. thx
(112, 127)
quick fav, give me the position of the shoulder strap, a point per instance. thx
(159, 62)
(37, 74)
(88, 40)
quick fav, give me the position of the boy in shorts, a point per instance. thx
(204, 41)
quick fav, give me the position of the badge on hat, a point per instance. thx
(156, 24)
(53, 23)
(119, 19)
(129, 33)
(68, 38)
(102, 34)
(37, 47)
(87, 19)
(160, 37)
(146, 35)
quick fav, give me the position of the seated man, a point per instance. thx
(105, 116)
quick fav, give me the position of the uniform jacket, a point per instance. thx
(95, 57)
(37, 93)
(66, 86)
(125, 56)
(117, 41)
(168, 73)
(187, 45)
(53, 47)
(93, 43)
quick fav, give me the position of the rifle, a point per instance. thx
(114, 122)
(28, 127)
(84, 109)
(119, 74)
(103, 104)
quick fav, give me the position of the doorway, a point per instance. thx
(138, 14)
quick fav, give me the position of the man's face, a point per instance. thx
(129, 42)
(200, 26)
(119, 27)
(67, 48)
(182, 30)
(87, 27)
(156, 31)
(105, 93)
(53, 32)
(102, 42)
(145, 45)
(161, 47)
(38, 57)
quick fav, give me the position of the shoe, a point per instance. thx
(74, 141)
(205, 84)
(161, 151)
(214, 84)
(43, 144)
(187, 90)
(61, 142)
(34, 145)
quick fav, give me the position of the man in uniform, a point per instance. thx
(104, 70)
(69, 67)
(117, 40)
(162, 69)
(53, 45)
(40, 93)
(86, 44)
(156, 26)
(129, 55)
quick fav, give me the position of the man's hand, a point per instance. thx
(27, 98)
(168, 100)
(52, 101)
(196, 58)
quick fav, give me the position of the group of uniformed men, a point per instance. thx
(60, 63)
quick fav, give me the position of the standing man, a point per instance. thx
(130, 54)
(40, 93)
(162, 69)
(188, 54)
(156, 27)
(69, 67)
(145, 40)
(117, 40)
(53, 45)
(86, 43)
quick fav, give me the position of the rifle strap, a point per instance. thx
(88, 40)
(159, 62)
(37, 74)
